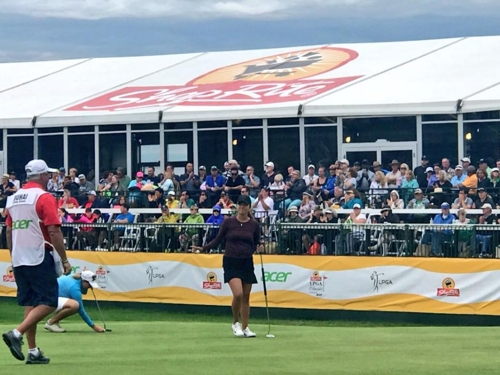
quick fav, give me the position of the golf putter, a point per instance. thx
(269, 335)
(100, 313)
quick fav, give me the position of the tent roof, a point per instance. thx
(397, 78)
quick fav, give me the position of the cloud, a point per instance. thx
(271, 9)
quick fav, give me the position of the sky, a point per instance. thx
(32, 30)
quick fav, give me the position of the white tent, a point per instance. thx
(416, 77)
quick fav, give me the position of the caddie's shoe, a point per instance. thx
(248, 333)
(37, 359)
(15, 345)
(237, 330)
(54, 327)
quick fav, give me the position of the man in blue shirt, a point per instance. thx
(124, 217)
(215, 184)
(70, 300)
(439, 236)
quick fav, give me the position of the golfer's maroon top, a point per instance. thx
(242, 239)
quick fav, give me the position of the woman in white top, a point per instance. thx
(378, 187)
(394, 201)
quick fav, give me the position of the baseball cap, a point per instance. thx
(328, 211)
(202, 168)
(171, 192)
(465, 159)
(13, 173)
(139, 174)
(244, 199)
(424, 158)
(483, 161)
(38, 166)
(445, 205)
(307, 193)
(90, 277)
(92, 192)
(81, 176)
(429, 169)
(418, 191)
(459, 167)
(481, 189)
(216, 208)
(376, 164)
(311, 166)
(62, 169)
(164, 208)
(344, 161)
(269, 164)
(356, 206)
(214, 168)
(486, 205)
(495, 170)
(293, 209)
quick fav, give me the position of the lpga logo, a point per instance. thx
(152, 273)
(377, 280)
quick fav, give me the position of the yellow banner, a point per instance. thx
(429, 285)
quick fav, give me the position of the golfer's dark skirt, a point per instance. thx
(239, 268)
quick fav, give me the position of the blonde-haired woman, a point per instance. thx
(464, 235)
(378, 188)
(70, 302)
(410, 184)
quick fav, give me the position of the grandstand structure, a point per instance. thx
(294, 106)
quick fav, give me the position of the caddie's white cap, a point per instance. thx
(90, 277)
(38, 166)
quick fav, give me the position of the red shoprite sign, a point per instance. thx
(273, 79)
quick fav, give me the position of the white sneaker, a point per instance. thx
(248, 333)
(54, 327)
(237, 331)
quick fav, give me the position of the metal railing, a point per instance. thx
(401, 240)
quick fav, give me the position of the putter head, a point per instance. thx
(270, 336)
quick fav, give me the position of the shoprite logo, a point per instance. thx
(271, 79)
(9, 275)
(448, 289)
(276, 277)
(212, 282)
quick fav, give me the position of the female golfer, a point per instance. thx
(242, 235)
(70, 301)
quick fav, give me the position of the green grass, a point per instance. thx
(161, 343)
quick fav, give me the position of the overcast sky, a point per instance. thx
(59, 29)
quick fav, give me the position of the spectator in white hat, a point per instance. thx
(495, 177)
(459, 176)
(310, 177)
(268, 178)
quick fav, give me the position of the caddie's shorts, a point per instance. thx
(239, 268)
(37, 285)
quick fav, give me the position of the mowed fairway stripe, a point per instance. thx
(209, 348)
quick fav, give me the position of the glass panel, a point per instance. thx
(112, 128)
(354, 156)
(178, 125)
(320, 120)
(440, 141)
(212, 124)
(81, 153)
(284, 149)
(248, 122)
(393, 129)
(50, 149)
(321, 145)
(434, 118)
(180, 138)
(20, 152)
(80, 129)
(490, 115)
(283, 121)
(177, 152)
(248, 148)
(145, 126)
(49, 130)
(113, 152)
(20, 131)
(482, 140)
(145, 150)
(212, 148)
(403, 156)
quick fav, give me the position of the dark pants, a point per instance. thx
(37, 285)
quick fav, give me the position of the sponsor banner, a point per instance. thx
(382, 284)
